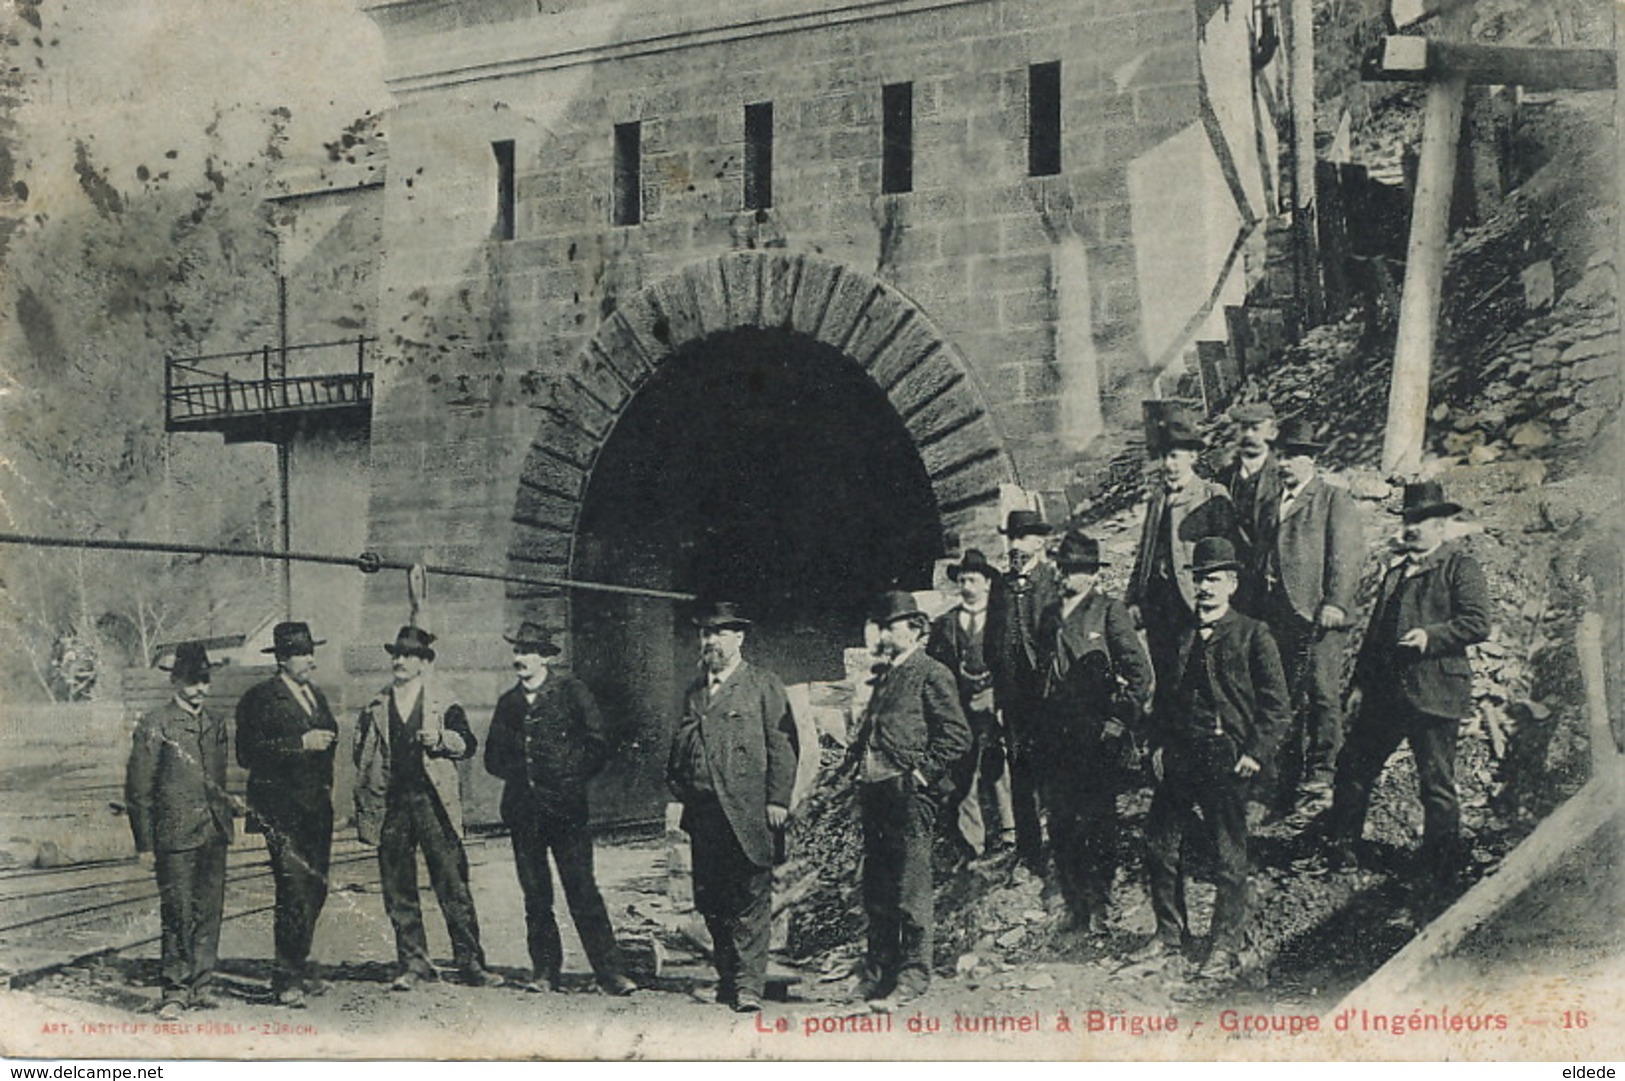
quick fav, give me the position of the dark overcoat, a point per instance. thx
(1249, 685)
(1201, 509)
(175, 783)
(546, 751)
(1073, 692)
(285, 782)
(748, 739)
(915, 720)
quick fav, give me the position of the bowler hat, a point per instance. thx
(721, 615)
(973, 562)
(1425, 499)
(1252, 412)
(894, 605)
(411, 642)
(1297, 437)
(1182, 433)
(1020, 523)
(532, 637)
(292, 640)
(1079, 552)
(191, 664)
(1213, 554)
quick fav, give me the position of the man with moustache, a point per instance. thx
(1217, 722)
(733, 766)
(1307, 575)
(409, 739)
(546, 742)
(1097, 688)
(909, 740)
(1031, 585)
(1413, 682)
(1254, 482)
(959, 641)
(181, 815)
(1183, 509)
(285, 737)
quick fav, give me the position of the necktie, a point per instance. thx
(308, 699)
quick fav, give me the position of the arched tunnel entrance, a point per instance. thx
(760, 466)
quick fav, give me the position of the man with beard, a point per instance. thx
(1097, 684)
(1217, 722)
(181, 815)
(409, 740)
(1308, 573)
(1254, 483)
(959, 641)
(733, 766)
(546, 742)
(1031, 585)
(285, 737)
(1412, 681)
(909, 740)
(1183, 509)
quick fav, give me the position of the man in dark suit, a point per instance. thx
(1217, 722)
(1097, 687)
(733, 766)
(285, 737)
(1412, 681)
(1031, 585)
(408, 798)
(1183, 509)
(909, 741)
(1308, 570)
(959, 641)
(1254, 482)
(546, 742)
(181, 815)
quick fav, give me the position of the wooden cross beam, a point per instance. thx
(1408, 58)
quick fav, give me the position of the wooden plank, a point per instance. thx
(1564, 830)
(1409, 58)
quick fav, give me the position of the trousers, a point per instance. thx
(735, 896)
(300, 844)
(897, 892)
(1312, 658)
(191, 899)
(984, 773)
(571, 846)
(413, 821)
(1199, 772)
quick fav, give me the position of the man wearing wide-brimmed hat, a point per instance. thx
(1031, 585)
(546, 742)
(285, 738)
(1306, 569)
(1183, 508)
(1412, 681)
(409, 739)
(733, 766)
(910, 739)
(181, 815)
(1097, 689)
(959, 640)
(1253, 480)
(1216, 725)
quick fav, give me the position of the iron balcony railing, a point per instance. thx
(222, 391)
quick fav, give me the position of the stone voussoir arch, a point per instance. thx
(923, 376)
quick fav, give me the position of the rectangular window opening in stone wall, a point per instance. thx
(503, 229)
(1044, 119)
(759, 155)
(629, 173)
(897, 137)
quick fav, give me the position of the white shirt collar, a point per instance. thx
(717, 679)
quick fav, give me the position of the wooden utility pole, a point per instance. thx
(1425, 257)
(1300, 59)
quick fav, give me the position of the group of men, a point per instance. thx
(1036, 694)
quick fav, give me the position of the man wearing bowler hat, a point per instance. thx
(1216, 724)
(959, 641)
(1097, 688)
(1306, 572)
(908, 743)
(1183, 509)
(546, 742)
(285, 737)
(733, 765)
(409, 739)
(1031, 585)
(181, 815)
(1254, 481)
(1412, 681)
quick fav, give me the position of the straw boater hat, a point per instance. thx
(1425, 499)
(894, 605)
(721, 615)
(1213, 554)
(292, 640)
(412, 642)
(532, 637)
(191, 664)
(973, 562)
